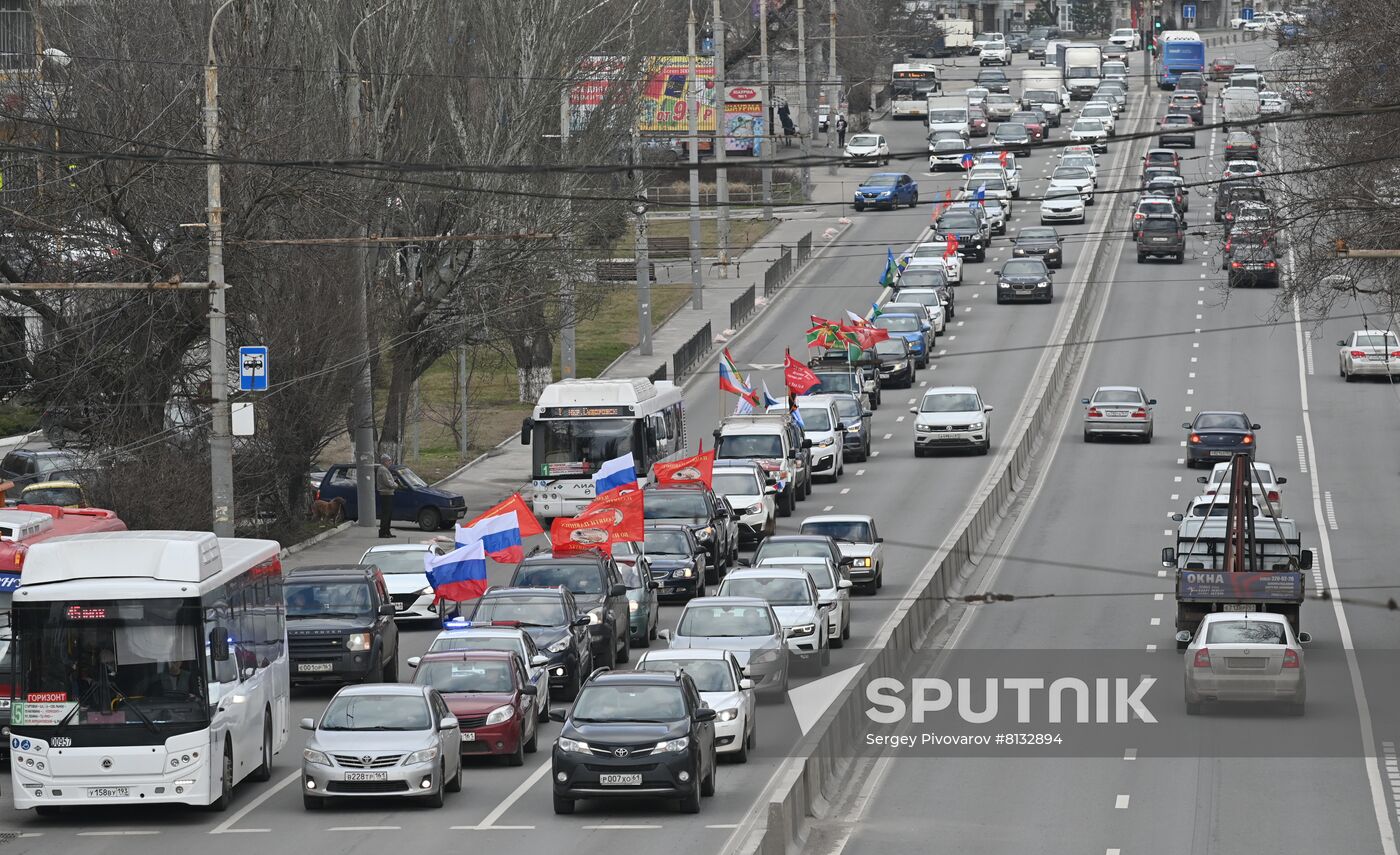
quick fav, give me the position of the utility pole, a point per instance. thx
(833, 92)
(567, 354)
(221, 428)
(721, 145)
(804, 113)
(766, 153)
(639, 211)
(463, 439)
(692, 83)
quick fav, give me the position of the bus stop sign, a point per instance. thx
(1247, 13)
(1188, 11)
(252, 369)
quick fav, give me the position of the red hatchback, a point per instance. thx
(1222, 67)
(489, 692)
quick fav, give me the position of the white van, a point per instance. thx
(820, 423)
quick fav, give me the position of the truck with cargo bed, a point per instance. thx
(1083, 69)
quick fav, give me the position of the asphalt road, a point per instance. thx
(1090, 514)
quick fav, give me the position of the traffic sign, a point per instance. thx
(252, 369)
(1247, 13)
(1188, 11)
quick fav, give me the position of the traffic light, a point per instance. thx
(1156, 24)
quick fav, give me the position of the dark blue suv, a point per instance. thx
(886, 190)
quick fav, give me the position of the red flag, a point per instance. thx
(623, 506)
(583, 532)
(699, 468)
(529, 526)
(798, 377)
(1001, 157)
(952, 248)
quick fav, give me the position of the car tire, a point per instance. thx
(918, 452)
(986, 447)
(542, 714)
(563, 806)
(264, 770)
(707, 783)
(914, 202)
(745, 743)
(1351, 378)
(624, 653)
(391, 669)
(455, 785)
(644, 640)
(1088, 437)
(858, 208)
(838, 642)
(825, 658)
(690, 803)
(785, 502)
(517, 757)
(571, 689)
(220, 804)
(429, 518)
(1180, 258)
(1141, 258)
(308, 802)
(1193, 709)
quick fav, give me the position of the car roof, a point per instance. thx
(1373, 332)
(637, 678)
(399, 547)
(661, 526)
(686, 488)
(839, 518)
(1239, 413)
(485, 629)
(676, 653)
(507, 591)
(587, 557)
(399, 689)
(952, 390)
(1217, 617)
(767, 571)
(327, 571)
(459, 655)
(1118, 389)
(726, 600)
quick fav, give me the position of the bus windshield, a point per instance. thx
(577, 447)
(117, 663)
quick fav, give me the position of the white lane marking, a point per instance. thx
(724, 825)
(874, 454)
(1176, 497)
(1151, 647)
(860, 471)
(1158, 597)
(1166, 532)
(828, 508)
(226, 826)
(889, 436)
(491, 828)
(974, 296)
(943, 352)
(1121, 803)
(1331, 510)
(1191, 375)
(1193, 359)
(913, 400)
(1180, 461)
(845, 490)
(899, 418)
(1113, 851)
(1188, 409)
(1201, 288)
(605, 827)
(1302, 456)
(1195, 344)
(1156, 621)
(509, 801)
(1130, 754)
(1392, 771)
(246, 831)
(1176, 478)
(923, 384)
(960, 323)
(1200, 302)
(952, 338)
(129, 833)
(1161, 573)
(365, 828)
(1308, 352)
(1190, 391)
(1363, 708)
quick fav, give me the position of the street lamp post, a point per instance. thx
(220, 438)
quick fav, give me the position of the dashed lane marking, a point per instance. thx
(874, 454)
(124, 833)
(1176, 497)
(226, 826)
(860, 471)
(1156, 621)
(605, 827)
(1158, 597)
(899, 418)
(889, 436)
(828, 508)
(1167, 533)
(365, 828)
(491, 828)
(1130, 754)
(845, 490)
(1331, 510)
(1302, 456)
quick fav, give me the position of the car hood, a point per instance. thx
(688, 522)
(855, 550)
(405, 583)
(742, 646)
(949, 418)
(722, 700)
(669, 561)
(476, 703)
(544, 636)
(626, 731)
(1063, 202)
(944, 231)
(1036, 245)
(298, 626)
(1072, 183)
(360, 742)
(872, 188)
(790, 616)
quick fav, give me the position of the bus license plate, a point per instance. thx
(108, 792)
(468, 736)
(314, 666)
(366, 776)
(1238, 607)
(620, 780)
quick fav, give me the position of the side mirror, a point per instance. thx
(916, 409)
(1254, 427)
(653, 585)
(527, 427)
(1341, 343)
(581, 620)
(536, 661)
(1185, 425)
(387, 610)
(865, 414)
(770, 490)
(1151, 402)
(1183, 637)
(1305, 559)
(529, 690)
(1202, 479)
(449, 722)
(806, 443)
(556, 714)
(414, 661)
(846, 561)
(1168, 556)
(308, 724)
(843, 584)
(618, 591)
(1178, 517)
(705, 714)
(745, 684)
(1084, 401)
(840, 426)
(1304, 638)
(664, 635)
(1281, 480)
(988, 409)
(218, 644)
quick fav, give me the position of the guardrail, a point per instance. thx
(741, 308)
(804, 249)
(691, 353)
(778, 272)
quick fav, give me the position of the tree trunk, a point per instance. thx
(534, 363)
(400, 378)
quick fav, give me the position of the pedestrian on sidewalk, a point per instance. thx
(384, 486)
(840, 131)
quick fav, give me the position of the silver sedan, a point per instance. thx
(1118, 411)
(1245, 656)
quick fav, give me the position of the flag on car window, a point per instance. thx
(458, 575)
(623, 506)
(696, 469)
(499, 535)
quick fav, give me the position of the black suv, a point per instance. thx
(635, 734)
(994, 80)
(708, 517)
(1252, 264)
(25, 466)
(972, 230)
(1161, 236)
(1229, 192)
(340, 625)
(599, 592)
(552, 619)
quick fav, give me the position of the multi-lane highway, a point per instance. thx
(1094, 524)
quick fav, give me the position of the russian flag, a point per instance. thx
(458, 575)
(615, 473)
(499, 535)
(981, 194)
(968, 160)
(529, 526)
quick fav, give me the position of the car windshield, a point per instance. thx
(815, 418)
(852, 531)
(1088, 125)
(890, 347)
(1097, 110)
(1011, 131)
(946, 116)
(1036, 235)
(1117, 396)
(950, 402)
(710, 675)
(1263, 472)
(880, 181)
(1177, 120)
(990, 183)
(820, 571)
(864, 140)
(923, 275)
(537, 611)
(453, 677)
(1070, 173)
(579, 578)
(47, 464)
(923, 298)
(957, 220)
(377, 712)
(725, 622)
(829, 382)
(666, 542)
(474, 641)
(945, 146)
(65, 497)
(792, 549)
(629, 703)
(847, 407)
(1023, 267)
(1222, 421)
(1079, 161)
(775, 590)
(328, 599)
(737, 483)
(1386, 341)
(397, 560)
(1245, 632)
(691, 504)
(1062, 193)
(897, 323)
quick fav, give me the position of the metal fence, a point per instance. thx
(742, 308)
(692, 352)
(658, 374)
(804, 248)
(778, 272)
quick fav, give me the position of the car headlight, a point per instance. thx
(706, 533)
(898, 366)
(311, 755)
(426, 591)
(802, 630)
(826, 443)
(500, 714)
(1018, 251)
(633, 606)
(573, 746)
(595, 616)
(923, 428)
(727, 715)
(559, 646)
(686, 572)
(672, 746)
(978, 425)
(358, 641)
(884, 193)
(1003, 284)
(1042, 284)
(861, 562)
(426, 755)
(754, 509)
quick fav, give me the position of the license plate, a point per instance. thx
(366, 776)
(469, 736)
(1376, 357)
(108, 792)
(620, 780)
(1238, 607)
(1116, 414)
(673, 589)
(1220, 453)
(313, 667)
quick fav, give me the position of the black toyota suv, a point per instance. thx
(697, 508)
(970, 227)
(340, 625)
(635, 735)
(552, 619)
(599, 592)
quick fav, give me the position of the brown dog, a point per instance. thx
(332, 511)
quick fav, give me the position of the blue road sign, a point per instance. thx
(1188, 11)
(1247, 13)
(252, 369)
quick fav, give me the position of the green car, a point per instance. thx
(642, 607)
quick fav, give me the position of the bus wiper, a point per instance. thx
(63, 722)
(118, 697)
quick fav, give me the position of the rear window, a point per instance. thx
(579, 578)
(1160, 225)
(1245, 632)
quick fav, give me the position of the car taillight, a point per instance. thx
(1270, 264)
(1195, 437)
(1140, 413)
(1273, 496)
(1290, 659)
(1248, 439)
(1236, 264)
(1358, 354)
(1202, 659)
(1094, 413)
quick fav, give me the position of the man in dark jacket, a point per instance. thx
(384, 485)
(841, 131)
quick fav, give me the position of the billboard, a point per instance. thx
(665, 108)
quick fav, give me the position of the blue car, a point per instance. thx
(912, 329)
(886, 190)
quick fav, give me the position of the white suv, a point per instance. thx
(995, 53)
(952, 417)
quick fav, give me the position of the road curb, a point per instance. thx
(821, 759)
(313, 540)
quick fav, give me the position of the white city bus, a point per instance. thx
(578, 425)
(150, 667)
(910, 85)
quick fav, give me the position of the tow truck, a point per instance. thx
(1237, 562)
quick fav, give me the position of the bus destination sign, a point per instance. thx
(586, 412)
